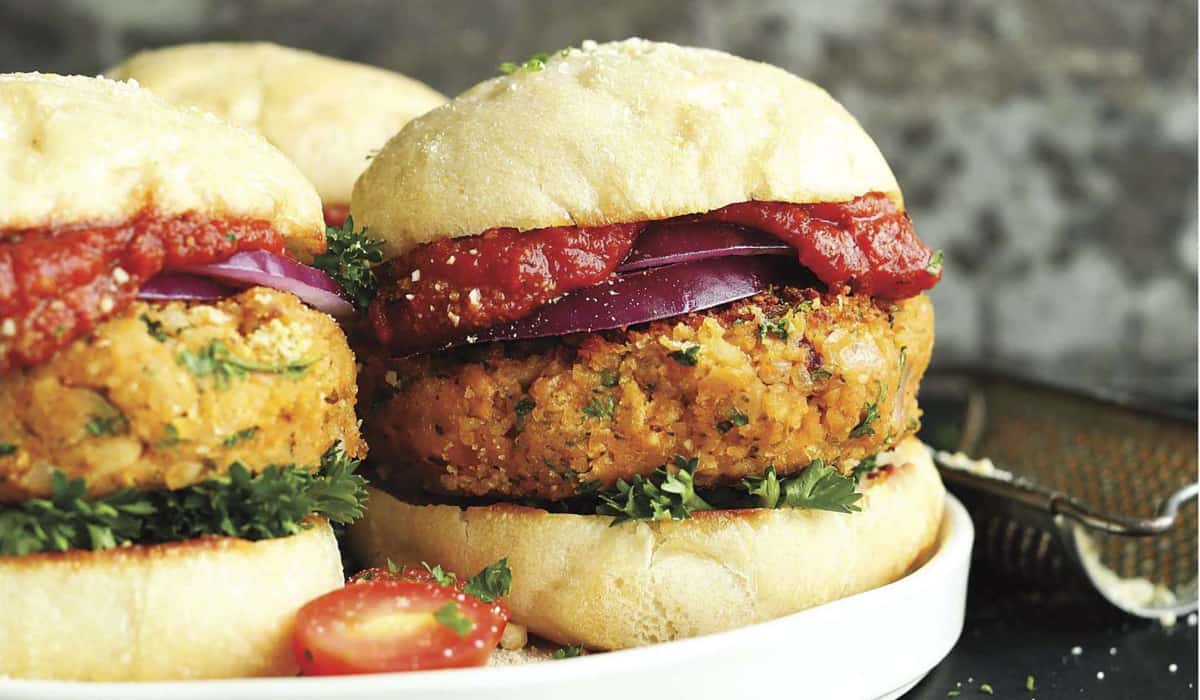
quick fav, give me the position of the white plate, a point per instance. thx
(876, 644)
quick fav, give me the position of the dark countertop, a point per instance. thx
(1013, 631)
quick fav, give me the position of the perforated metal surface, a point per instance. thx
(1116, 459)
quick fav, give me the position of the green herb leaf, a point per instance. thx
(863, 469)
(766, 488)
(170, 436)
(271, 504)
(240, 436)
(440, 575)
(609, 378)
(820, 487)
(493, 582)
(154, 328)
(1030, 683)
(106, 425)
(393, 567)
(665, 495)
(736, 419)
(688, 356)
(601, 407)
(589, 486)
(935, 263)
(7, 448)
(779, 327)
(349, 258)
(568, 652)
(523, 408)
(869, 416)
(450, 615)
(215, 360)
(986, 689)
(534, 63)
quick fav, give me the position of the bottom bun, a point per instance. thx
(576, 580)
(205, 608)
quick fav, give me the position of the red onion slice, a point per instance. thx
(174, 286)
(265, 269)
(637, 297)
(686, 241)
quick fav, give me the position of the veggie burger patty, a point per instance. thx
(169, 394)
(780, 379)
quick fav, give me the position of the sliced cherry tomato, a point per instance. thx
(422, 574)
(386, 625)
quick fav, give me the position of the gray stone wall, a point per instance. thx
(1049, 146)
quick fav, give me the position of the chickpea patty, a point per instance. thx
(168, 394)
(780, 379)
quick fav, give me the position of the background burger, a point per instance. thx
(329, 116)
(651, 327)
(177, 422)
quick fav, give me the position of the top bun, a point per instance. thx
(328, 116)
(89, 150)
(627, 131)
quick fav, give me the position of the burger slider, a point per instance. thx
(177, 406)
(651, 326)
(329, 116)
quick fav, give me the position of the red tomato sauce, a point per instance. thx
(57, 284)
(454, 286)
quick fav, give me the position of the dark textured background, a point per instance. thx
(1048, 146)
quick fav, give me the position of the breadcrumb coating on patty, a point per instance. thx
(169, 394)
(781, 379)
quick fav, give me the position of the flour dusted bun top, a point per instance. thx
(627, 131)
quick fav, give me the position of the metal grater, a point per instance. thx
(1103, 489)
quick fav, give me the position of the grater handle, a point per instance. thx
(1168, 512)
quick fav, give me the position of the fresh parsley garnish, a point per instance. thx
(7, 448)
(589, 486)
(271, 504)
(106, 425)
(241, 435)
(779, 327)
(440, 575)
(863, 469)
(534, 63)
(568, 652)
(820, 374)
(665, 495)
(689, 355)
(348, 259)
(869, 416)
(523, 408)
(450, 615)
(609, 378)
(600, 407)
(493, 582)
(818, 487)
(154, 328)
(935, 262)
(736, 419)
(215, 360)
(170, 436)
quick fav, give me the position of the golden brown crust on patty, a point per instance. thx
(539, 420)
(139, 401)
